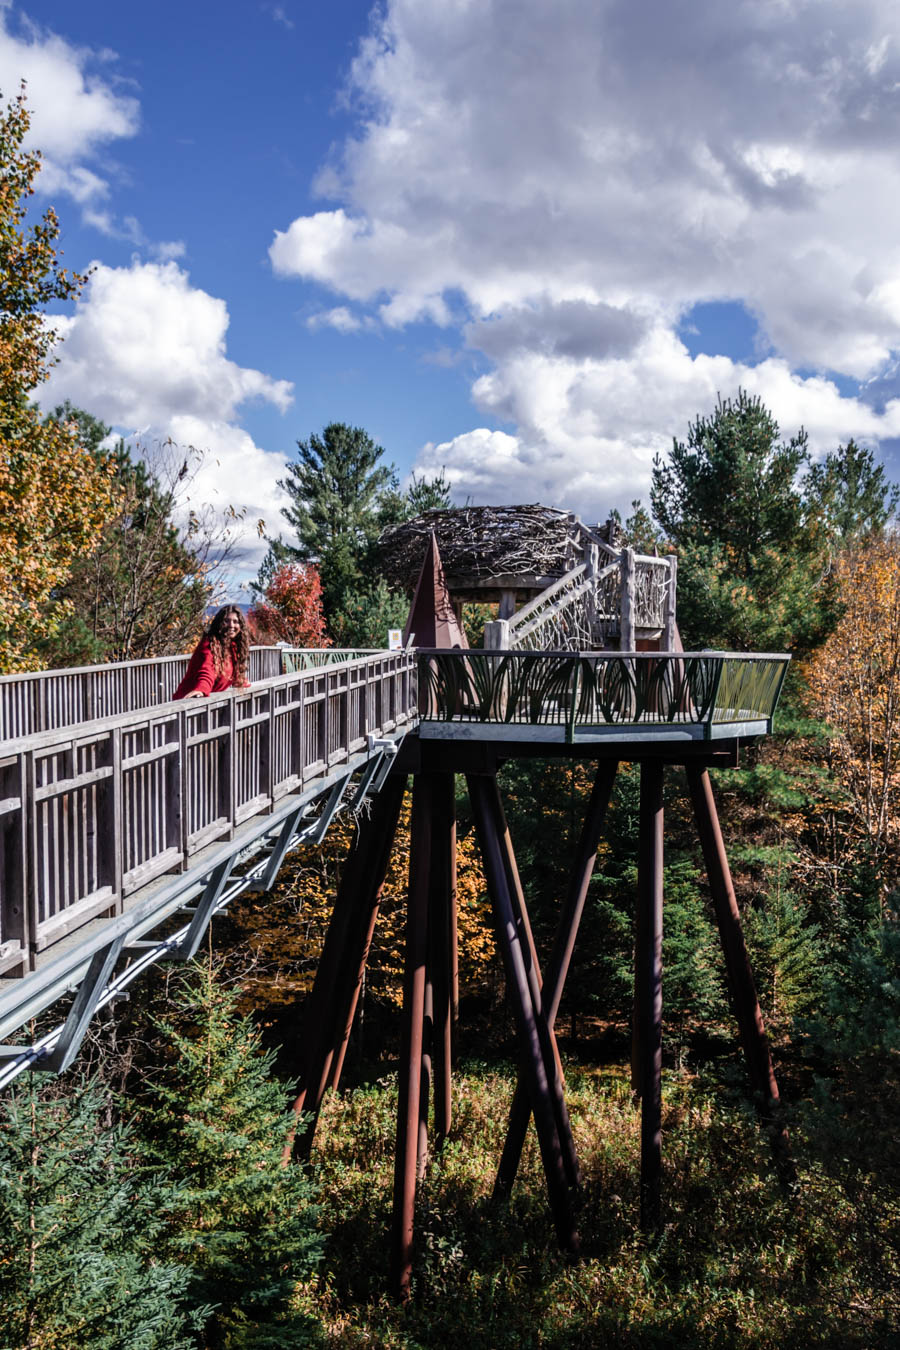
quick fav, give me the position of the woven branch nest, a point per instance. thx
(478, 543)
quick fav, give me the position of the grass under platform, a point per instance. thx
(741, 1261)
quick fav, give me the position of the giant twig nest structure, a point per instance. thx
(484, 549)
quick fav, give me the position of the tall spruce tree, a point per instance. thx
(342, 497)
(80, 1232)
(753, 571)
(213, 1119)
(336, 486)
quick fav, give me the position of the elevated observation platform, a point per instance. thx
(111, 828)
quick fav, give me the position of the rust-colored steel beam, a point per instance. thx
(648, 986)
(443, 960)
(535, 1037)
(535, 982)
(331, 1004)
(741, 984)
(408, 1116)
(368, 909)
(426, 1079)
(560, 958)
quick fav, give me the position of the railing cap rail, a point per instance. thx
(604, 655)
(114, 665)
(85, 731)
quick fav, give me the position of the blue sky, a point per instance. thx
(525, 242)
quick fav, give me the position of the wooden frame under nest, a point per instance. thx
(484, 549)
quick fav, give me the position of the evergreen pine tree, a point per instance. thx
(80, 1232)
(214, 1119)
(852, 495)
(753, 571)
(335, 487)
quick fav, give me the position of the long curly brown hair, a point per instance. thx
(240, 647)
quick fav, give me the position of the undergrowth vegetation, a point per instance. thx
(741, 1261)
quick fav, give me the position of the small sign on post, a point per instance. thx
(395, 639)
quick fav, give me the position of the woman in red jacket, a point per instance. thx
(220, 658)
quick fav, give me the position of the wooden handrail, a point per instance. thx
(45, 700)
(91, 813)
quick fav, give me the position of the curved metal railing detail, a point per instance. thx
(580, 691)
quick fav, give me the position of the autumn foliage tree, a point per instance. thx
(855, 685)
(142, 589)
(291, 608)
(54, 494)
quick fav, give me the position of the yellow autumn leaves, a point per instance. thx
(54, 495)
(855, 684)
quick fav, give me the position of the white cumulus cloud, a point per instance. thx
(76, 110)
(146, 352)
(565, 182)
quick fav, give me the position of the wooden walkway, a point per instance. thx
(110, 826)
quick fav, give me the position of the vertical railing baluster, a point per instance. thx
(230, 767)
(109, 823)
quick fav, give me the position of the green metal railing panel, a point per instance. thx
(579, 690)
(296, 659)
(749, 689)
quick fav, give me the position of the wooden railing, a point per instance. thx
(46, 699)
(89, 816)
(711, 691)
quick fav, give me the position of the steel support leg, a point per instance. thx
(385, 816)
(442, 947)
(535, 1037)
(737, 963)
(558, 966)
(426, 1078)
(329, 1008)
(533, 969)
(648, 986)
(85, 1005)
(408, 1121)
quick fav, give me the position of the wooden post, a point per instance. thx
(507, 606)
(408, 1124)
(648, 985)
(626, 618)
(671, 625)
(496, 635)
(558, 966)
(112, 844)
(534, 1036)
(737, 962)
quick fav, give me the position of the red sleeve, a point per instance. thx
(201, 672)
